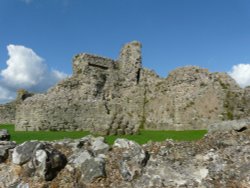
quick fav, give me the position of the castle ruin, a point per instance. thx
(108, 96)
(101, 96)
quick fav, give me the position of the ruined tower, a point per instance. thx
(101, 96)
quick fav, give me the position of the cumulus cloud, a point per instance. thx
(25, 69)
(6, 95)
(241, 74)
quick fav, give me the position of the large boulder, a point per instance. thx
(47, 162)
(5, 146)
(39, 159)
(94, 144)
(134, 158)
(24, 152)
(89, 158)
(92, 169)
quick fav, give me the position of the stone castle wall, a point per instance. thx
(108, 96)
(193, 98)
(7, 113)
(98, 97)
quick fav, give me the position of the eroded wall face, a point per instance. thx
(7, 113)
(108, 96)
(192, 98)
(98, 97)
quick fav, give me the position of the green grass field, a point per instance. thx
(143, 137)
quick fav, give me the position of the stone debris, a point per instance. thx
(4, 135)
(220, 159)
(133, 158)
(5, 148)
(39, 159)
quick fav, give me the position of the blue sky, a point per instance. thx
(213, 34)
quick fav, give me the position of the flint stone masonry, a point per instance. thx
(193, 98)
(99, 97)
(8, 111)
(108, 96)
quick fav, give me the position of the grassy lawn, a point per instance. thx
(22, 136)
(147, 135)
(143, 137)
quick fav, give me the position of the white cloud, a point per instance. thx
(6, 95)
(241, 74)
(59, 75)
(25, 69)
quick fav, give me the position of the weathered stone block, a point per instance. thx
(4, 135)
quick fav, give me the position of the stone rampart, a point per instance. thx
(108, 96)
(7, 113)
(97, 98)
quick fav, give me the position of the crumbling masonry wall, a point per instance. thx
(7, 113)
(101, 96)
(108, 96)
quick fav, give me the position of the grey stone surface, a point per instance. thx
(88, 157)
(8, 176)
(23, 153)
(5, 147)
(4, 135)
(39, 159)
(99, 147)
(134, 158)
(78, 158)
(92, 169)
(94, 144)
(47, 162)
(23, 185)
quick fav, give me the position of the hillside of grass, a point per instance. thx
(143, 137)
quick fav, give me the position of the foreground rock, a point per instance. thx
(39, 159)
(220, 159)
(4, 135)
(133, 158)
(5, 148)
